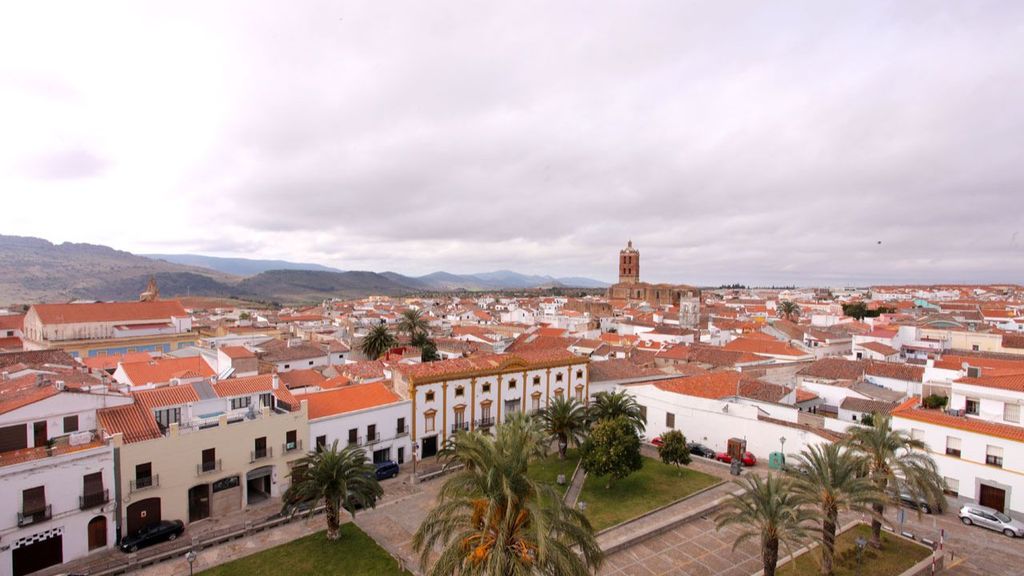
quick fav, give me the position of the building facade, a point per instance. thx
(630, 288)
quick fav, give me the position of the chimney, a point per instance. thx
(275, 382)
(60, 384)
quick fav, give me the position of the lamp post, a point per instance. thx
(191, 557)
(861, 543)
(782, 450)
(415, 451)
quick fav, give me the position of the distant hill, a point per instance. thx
(239, 266)
(35, 270)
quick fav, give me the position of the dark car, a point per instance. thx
(386, 469)
(152, 534)
(700, 450)
(920, 504)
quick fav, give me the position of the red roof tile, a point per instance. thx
(348, 399)
(911, 411)
(133, 421)
(108, 312)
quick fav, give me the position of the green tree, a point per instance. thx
(830, 479)
(564, 420)
(856, 310)
(428, 353)
(245, 316)
(492, 518)
(611, 405)
(377, 342)
(612, 450)
(897, 464)
(340, 479)
(413, 323)
(789, 310)
(673, 448)
(767, 510)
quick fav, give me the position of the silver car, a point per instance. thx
(991, 519)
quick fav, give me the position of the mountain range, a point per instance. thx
(36, 270)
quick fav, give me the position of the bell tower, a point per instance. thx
(629, 265)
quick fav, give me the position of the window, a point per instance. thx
(579, 373)
(1011, 412)
(321, 441)
(536, 400)
(460, 391)
(670, 420)
(975, 347)
(259, 449)
(486, 388)
(70, 424)
(951, 486)
(972, 406)
(267, 399)
(485, 413)
(353, 436)
(168, 416)
(953, 446)
(428, 423)
(287, 366)
(429, 396)
(643, 411)
(310, 362)
(579, 393)
(512, 384)
(93, 493)
(400, 427)
(291, 440)
(994, 456)
(210, 459)
(371, 433)
(242, 402)
(511, 406)
(558, 377)
(143, 475)
(33, 503)
(559, 393)
(536, 380)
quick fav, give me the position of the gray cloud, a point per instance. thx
(739, 142)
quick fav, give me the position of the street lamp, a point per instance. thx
(782, 450)
(861, 543)
(415, 451)
(191, 557)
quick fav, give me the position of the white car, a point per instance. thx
(991, 519)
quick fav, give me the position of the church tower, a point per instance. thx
(629, 265)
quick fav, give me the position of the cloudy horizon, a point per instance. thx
(802, 143)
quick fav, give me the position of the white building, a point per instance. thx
(370, 415)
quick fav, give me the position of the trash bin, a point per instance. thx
(776, 460)
(735, 467)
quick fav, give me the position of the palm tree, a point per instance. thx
(897, 464)
(413, 322)
(789, 309)
(611, 405)
(377, 342)
(339, 479)
(565, 420)
(491, 518)
(767, 510)
(829, 478)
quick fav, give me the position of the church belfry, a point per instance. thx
(629, 265)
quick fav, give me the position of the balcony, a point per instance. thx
(92, 500)
(460, 426)
(357, 441)
(404, 431)
(143, 482)
(291, 447)
(485, 422)
(208, 467)
(260, 454)
(41, 515)
(371, 438)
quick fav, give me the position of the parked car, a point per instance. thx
(992, 519)
(386, 469)
(748, 458)
(152, 534)
(657, 441)
(919, 504)
(701, 450)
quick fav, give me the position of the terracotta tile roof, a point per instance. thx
(254, 385)
(1013, 382)
(133, 421)
(911, 411)
(866, 406)
(12, 344)
(108, 312)
(348, 399)
(11, 321)
(19, 392)
(715, 356)
(110, 362)
(1015, 341)
(278, 351)
(38, 453)
(843, 369)
(804, 395)
(726, 384)
(539, 342)
(36, 358)
(989, 366)
(162, 370)
(166, 396)
(237, 352)
(619, 369)
(489, 364)
(336, 382)
(770, 347)
(301, 378)
(365, 370)
(879, 348)
(790, 329)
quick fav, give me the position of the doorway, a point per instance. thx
(141, 514)
(37, 555)
(98, 532)
(992, 497)
(39, 433)
(257, 485)
(198, 502)
(429, 447)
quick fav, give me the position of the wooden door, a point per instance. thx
(97, 532)
(39, 433)
(37, 555)
(993, 497)
(142, 513)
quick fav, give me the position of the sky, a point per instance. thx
(809, 143)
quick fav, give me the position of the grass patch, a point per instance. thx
(895, 557)
(654, 485)
(547, 469)
(354, 554)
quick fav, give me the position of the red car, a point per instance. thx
(748, 458)
(657, 441)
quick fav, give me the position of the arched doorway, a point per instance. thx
(98, 532)
(142, 514)
(198, 502)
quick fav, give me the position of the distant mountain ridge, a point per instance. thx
(36, 270)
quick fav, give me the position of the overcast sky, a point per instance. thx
(789, 142)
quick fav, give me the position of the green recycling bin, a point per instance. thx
(776, 460)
